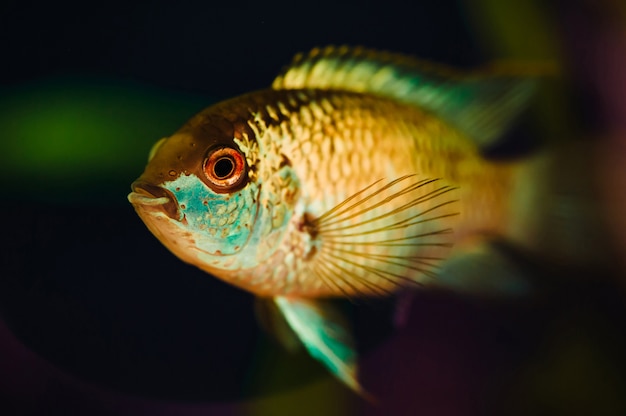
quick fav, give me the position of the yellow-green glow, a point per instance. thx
(61, 133)
(517, 29)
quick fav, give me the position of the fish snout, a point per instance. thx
(154, 198)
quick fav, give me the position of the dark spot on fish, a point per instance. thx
(177, 188)
(183, 206)
(289, 196)
(284, 161)
(205, 202)
(310, 254)
(252, 172)
(307, 225)
(237, 248)
(172, 172)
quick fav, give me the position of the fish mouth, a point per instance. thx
(153, 198)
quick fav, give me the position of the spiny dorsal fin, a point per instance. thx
(480, 103)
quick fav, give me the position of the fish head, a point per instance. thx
(212, 196)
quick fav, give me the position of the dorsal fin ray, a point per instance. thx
(480, 103)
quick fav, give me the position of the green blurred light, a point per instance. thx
(68, 132)
(515, 28)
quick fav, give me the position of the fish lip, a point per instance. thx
(147, 195)
(138, 198)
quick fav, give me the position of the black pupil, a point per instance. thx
(224, 167)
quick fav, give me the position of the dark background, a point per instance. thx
(98, 318)
(219, 49)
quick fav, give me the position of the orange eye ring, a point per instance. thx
(225, 168)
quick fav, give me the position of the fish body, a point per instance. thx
(352, 176)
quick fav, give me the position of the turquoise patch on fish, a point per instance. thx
(222, 222)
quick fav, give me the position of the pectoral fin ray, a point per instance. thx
(412, 216)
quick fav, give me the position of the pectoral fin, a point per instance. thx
(325, 335)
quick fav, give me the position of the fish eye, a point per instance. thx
(225, 168)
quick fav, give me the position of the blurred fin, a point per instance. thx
(481, 104)
(273, 322)
(326, 336)
(483, 269)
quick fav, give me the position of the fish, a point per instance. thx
(357, 174)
